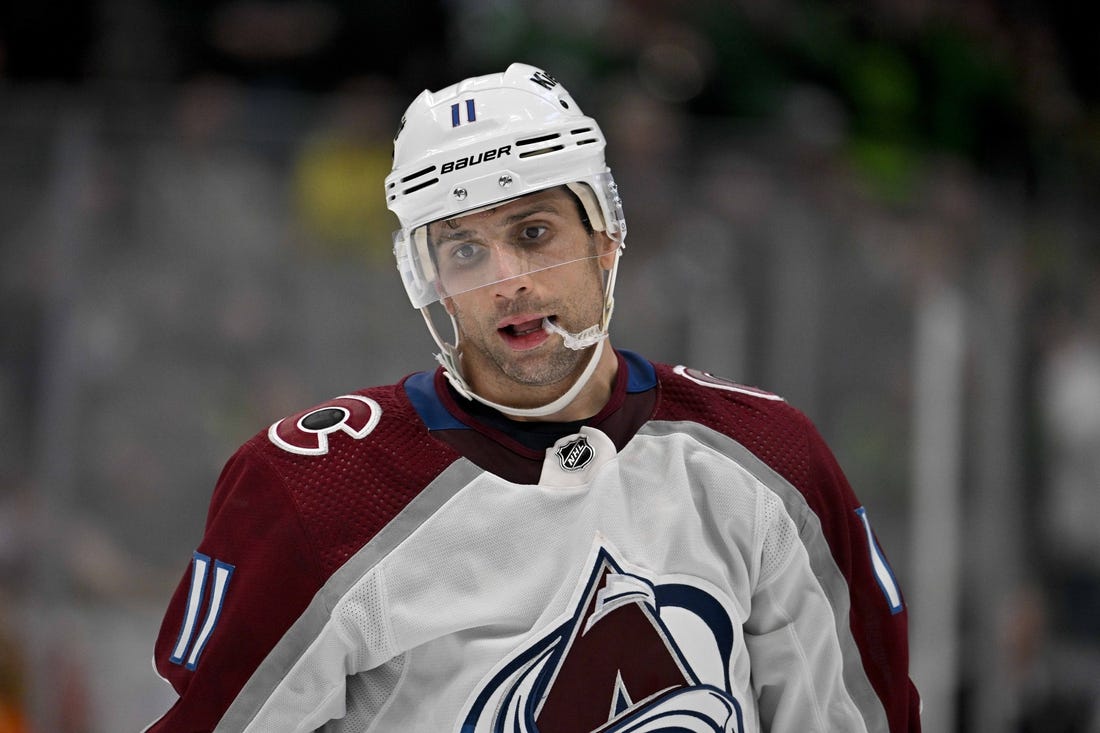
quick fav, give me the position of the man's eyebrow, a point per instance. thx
(541, 207)
(450, 235)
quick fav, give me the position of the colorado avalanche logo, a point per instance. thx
(307, 433)
(615, 666)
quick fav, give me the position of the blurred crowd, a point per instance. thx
(195, 244)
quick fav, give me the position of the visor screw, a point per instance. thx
(459, 193)
(505, 181)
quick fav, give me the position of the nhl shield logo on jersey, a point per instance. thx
(576, 454)
(634, 655)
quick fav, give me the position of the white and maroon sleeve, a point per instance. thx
(828, 628)
(248, 580)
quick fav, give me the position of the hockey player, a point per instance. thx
(545, 533)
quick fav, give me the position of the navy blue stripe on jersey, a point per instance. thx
(420, 388)
(642, 374)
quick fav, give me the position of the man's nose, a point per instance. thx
(509, 269)
(507, 261)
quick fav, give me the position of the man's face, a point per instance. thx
(516, 248)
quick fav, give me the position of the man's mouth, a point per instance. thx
(522, 329)
(523, 332)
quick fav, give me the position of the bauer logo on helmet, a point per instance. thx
(471, 160)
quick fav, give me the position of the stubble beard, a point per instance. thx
(549, 364)
(542, 371)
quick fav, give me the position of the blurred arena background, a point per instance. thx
(879, 209)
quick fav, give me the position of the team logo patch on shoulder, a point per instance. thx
(576, 454)
(706, 379)
(307, 433)
(636, 654)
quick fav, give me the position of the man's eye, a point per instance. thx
(464, 252)
(533, 232)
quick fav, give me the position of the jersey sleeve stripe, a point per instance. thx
(222, 574)
(200, 563)
(884, 574)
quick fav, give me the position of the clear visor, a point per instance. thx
(450, 257)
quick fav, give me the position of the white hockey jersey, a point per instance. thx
(690, 559)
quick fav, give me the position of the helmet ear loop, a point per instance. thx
(448, 355)
(609, 288)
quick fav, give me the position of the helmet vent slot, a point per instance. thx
(419, 173)
(541, 151)
(537, 140)
(422, 184)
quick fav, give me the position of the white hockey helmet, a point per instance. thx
(475, 145)
(484, 141)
